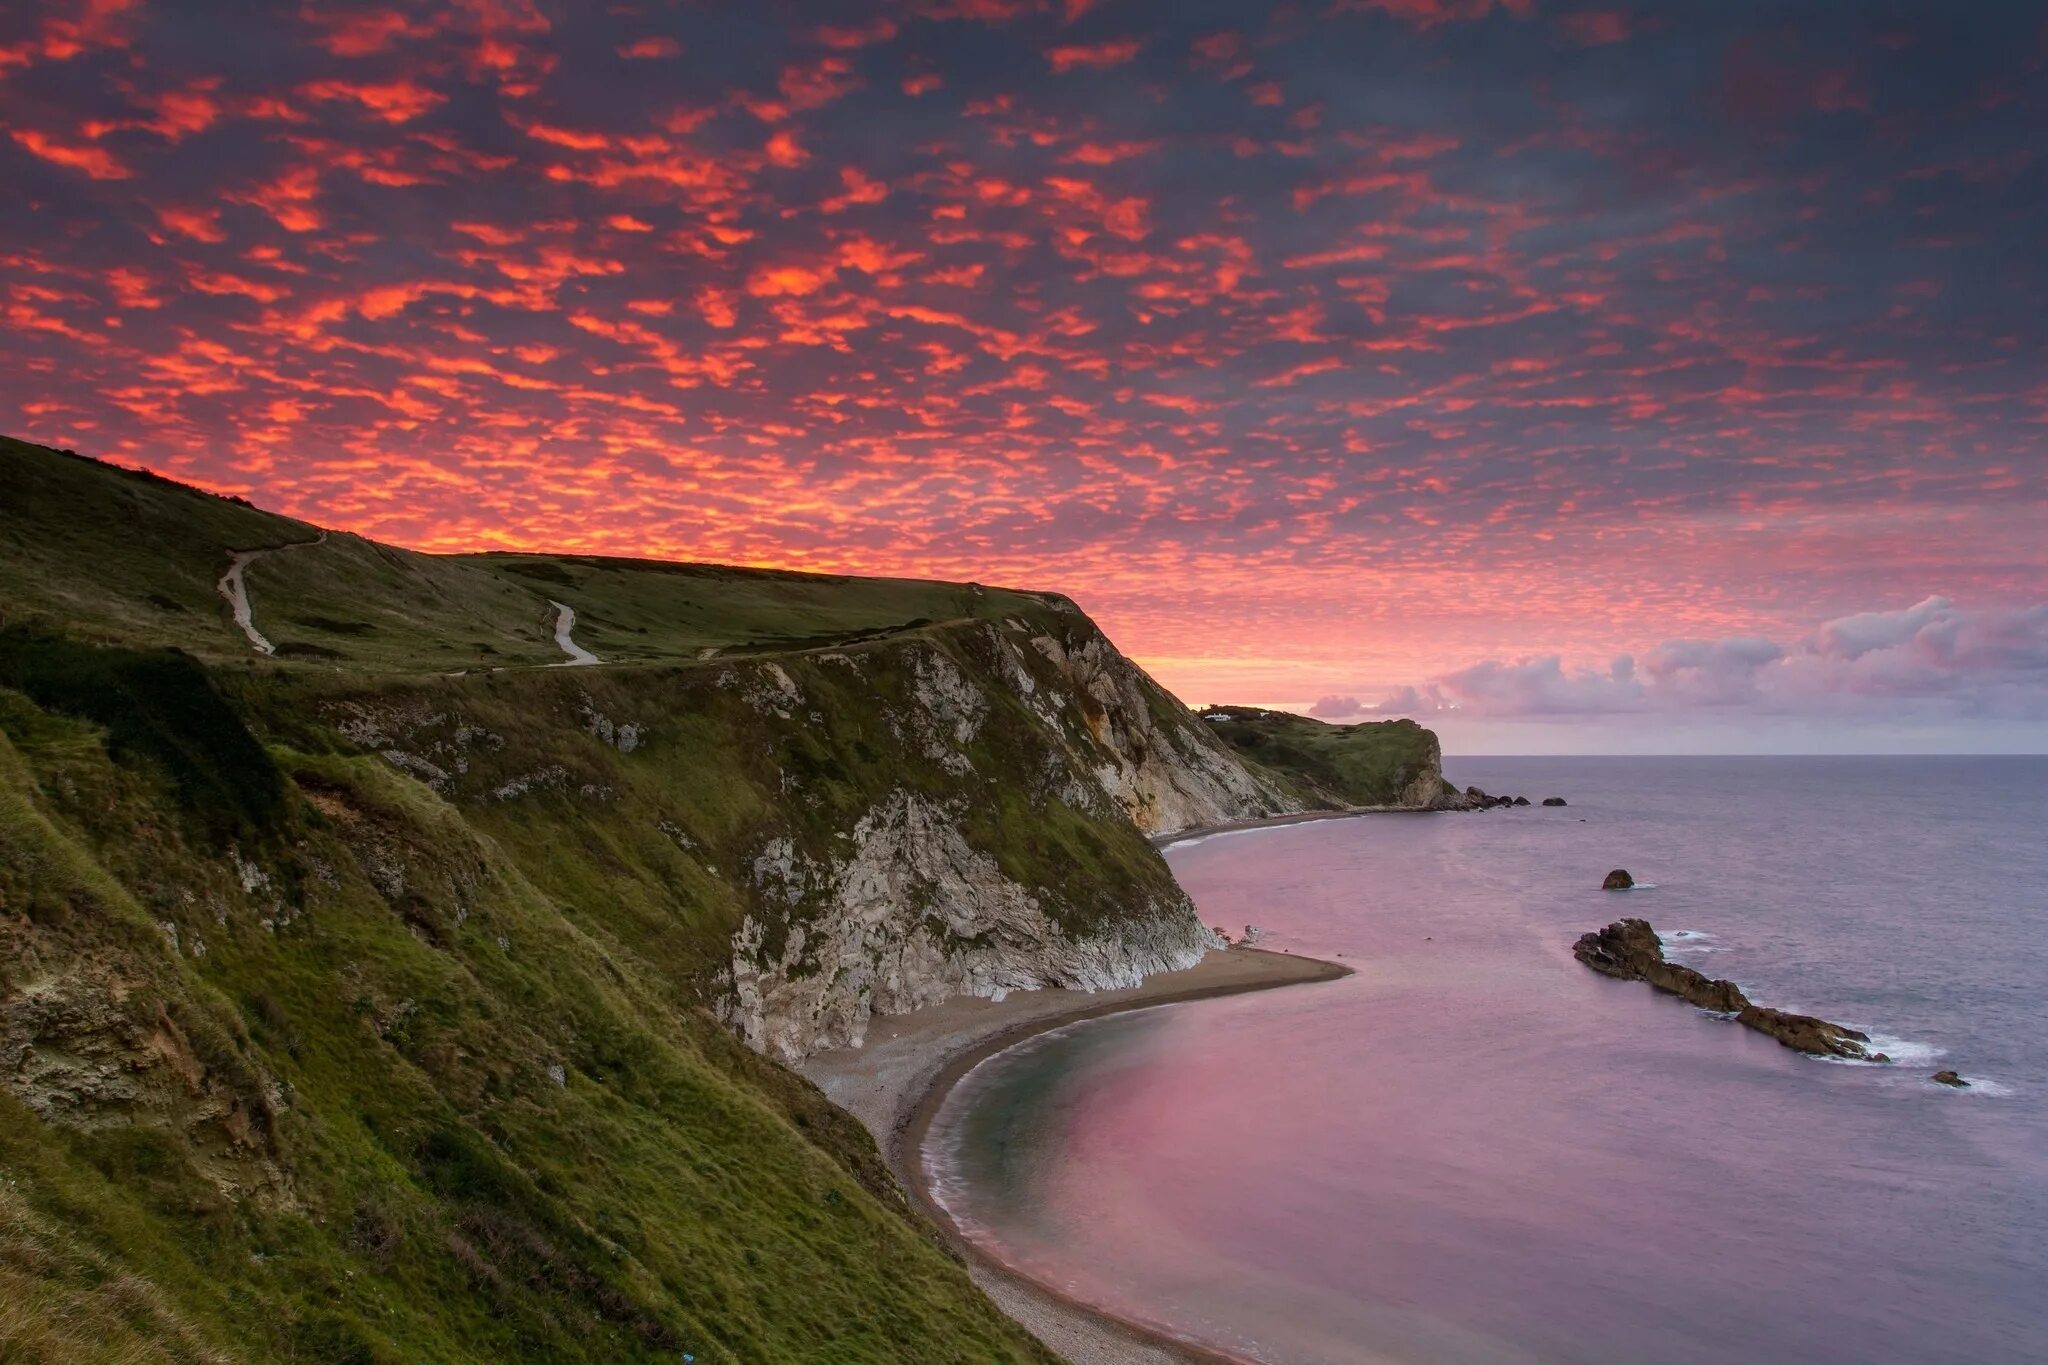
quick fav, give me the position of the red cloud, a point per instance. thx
(717, 307)
(789, 280)
(201, 225)
(879, 30)
(96, 162)
(1430, 13)
(394, 101)
(361, 33)
(1092, 56)
(648, 49)
(818, 83)
(783, 149)
(1108, 153)
(858, 189)
(1594, 27)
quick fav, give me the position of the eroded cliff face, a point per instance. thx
(913, 915)
(917, 906)
(959, 810)
(1159, 763)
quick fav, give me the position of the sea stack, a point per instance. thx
(1618, 880)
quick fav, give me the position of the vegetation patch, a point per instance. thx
(159, 707)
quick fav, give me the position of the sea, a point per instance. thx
(1476, 1151)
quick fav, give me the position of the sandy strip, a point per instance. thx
(896, 1083)
(1275, 821)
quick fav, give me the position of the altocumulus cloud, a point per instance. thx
(1932, 658)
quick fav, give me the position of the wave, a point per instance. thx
(1191, 840)
(1910, 1057)
(1690, 941)
(1903, 1052)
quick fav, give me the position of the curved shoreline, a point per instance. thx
(1304, 817)
(898, 1088)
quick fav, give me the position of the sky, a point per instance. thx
(1575, 377)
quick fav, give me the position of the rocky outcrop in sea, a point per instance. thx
(1629, 950)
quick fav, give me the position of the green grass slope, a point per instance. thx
(125, 557)
(357, 1004)
(339, 1082)
(1371, 763)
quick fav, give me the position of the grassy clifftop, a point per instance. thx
(381, 999)
(121, 556)
(1371, 763)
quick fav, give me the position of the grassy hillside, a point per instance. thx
(1371, 763)
(125, 557)
(362, 1003)
(347, 1085)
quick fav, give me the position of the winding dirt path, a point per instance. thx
(234, 586)
(565, 622)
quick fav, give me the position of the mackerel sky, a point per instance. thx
(1570, 375)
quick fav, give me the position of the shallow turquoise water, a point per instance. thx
(1479, 1151)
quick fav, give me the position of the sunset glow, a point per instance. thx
(1427, 353)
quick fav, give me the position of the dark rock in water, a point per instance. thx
(1950, 1078)
(1629, 950)
(1553, 801)
(1618, 880)
(1804, 1033)
(1521, 800)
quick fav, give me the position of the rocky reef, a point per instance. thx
(1629, 950)
(1478, 798)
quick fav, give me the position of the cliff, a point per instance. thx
(1378, 763)
(369, 982)
(829, 834)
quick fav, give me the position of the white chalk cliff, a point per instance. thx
(904, 909)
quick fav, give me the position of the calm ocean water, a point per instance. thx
(1477, 1150)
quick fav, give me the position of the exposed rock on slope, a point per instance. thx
(914, 915)
(922, 898)
(1164, 769)
(1630, 950)
(956, 810)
